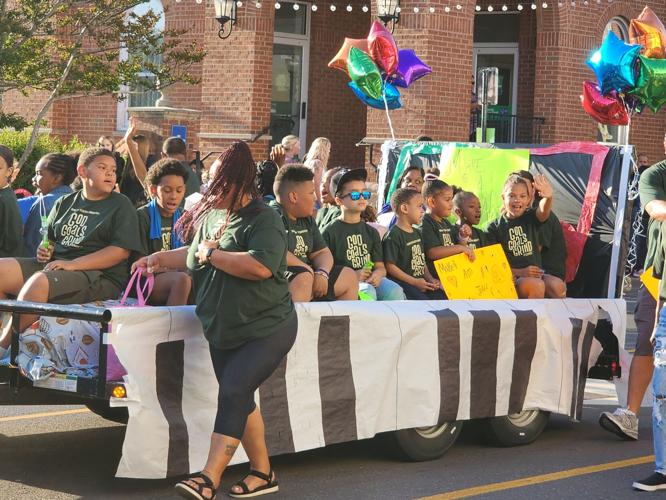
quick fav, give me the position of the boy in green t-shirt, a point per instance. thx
(440, 238)
(467, 207)
(167, 183)
(404, 255)
(310, 269)
(91, 234)
(353, 242)
(11, 225)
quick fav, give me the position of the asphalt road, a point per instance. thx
(67, 452)
(74, 455)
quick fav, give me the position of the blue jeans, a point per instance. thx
(659, 390)
(387, 290)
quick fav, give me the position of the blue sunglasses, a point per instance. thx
(356, 195)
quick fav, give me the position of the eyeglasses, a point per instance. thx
(356, 195)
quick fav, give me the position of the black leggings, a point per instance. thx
(241, 371)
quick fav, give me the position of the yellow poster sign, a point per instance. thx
(488, 277)
(650, 282)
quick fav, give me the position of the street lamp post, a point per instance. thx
(388, 11)
(225, 11)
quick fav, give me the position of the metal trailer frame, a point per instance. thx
(86, 389)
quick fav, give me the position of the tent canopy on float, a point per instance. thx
(590, 184)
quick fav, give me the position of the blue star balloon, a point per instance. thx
(615, 64)
(392, 97)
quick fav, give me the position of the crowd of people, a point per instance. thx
(253, 239)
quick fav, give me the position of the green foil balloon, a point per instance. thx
(651, 84)
(364, 73)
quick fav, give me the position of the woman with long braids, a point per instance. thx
(238, 261)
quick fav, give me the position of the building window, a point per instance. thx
(137, 96)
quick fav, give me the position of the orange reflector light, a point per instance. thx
(119, 392)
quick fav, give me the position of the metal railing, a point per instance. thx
(508, 128)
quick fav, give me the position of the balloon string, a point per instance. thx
(388, 115)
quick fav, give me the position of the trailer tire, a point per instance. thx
(425, 443)
(516, 429)
(115, 414)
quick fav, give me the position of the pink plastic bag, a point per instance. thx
(114, 368)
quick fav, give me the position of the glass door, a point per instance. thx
(502, 117)
(291, 46)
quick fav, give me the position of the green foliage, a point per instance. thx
(12, 120)
(73, 48)
(17, 142)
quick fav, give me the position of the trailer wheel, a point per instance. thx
(515, 429)
(425, 443)
(115, 414)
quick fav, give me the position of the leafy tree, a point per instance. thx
(72, 49)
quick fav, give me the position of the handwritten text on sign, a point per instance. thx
(488, 277)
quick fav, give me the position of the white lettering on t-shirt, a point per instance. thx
(519, 245)
(73, 232)
(357, 251)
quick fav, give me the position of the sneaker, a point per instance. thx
(653, 483)
(622, 422)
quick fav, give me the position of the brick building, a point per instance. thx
(270, 78)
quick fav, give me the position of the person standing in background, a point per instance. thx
(292, 148)
(317, 161)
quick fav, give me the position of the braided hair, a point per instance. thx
(234, 179)
(60, 164)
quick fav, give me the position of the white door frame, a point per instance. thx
(304, 42)
(500, 48)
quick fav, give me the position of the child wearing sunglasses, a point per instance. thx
(404, 255)
(440, 238)
(353, 242)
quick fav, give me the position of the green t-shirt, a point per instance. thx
(437, 234)
(405, 250)
(353, 245)
(79, 227)
(519, 238)
(157, 245)
(478, 238)
(11, 225)
(234, 310)
(553, 247)
(303, 235)
(327, 214)
(652, 186)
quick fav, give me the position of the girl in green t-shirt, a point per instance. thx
(238, 261)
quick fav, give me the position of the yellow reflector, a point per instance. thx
(119, 392)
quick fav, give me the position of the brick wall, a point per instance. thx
(439, 104)
(334, 112)
(234, 97)
(565, 38)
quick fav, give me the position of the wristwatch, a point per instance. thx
(209, 253)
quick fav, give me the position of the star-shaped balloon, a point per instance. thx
(609, 109)
(364, 73)
(614, 64)
(651, 84)
(648, 30)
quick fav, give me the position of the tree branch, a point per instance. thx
(48, 103)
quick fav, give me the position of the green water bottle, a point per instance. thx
(45, 232)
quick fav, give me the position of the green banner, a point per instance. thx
(411, 149)
(483, 171)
